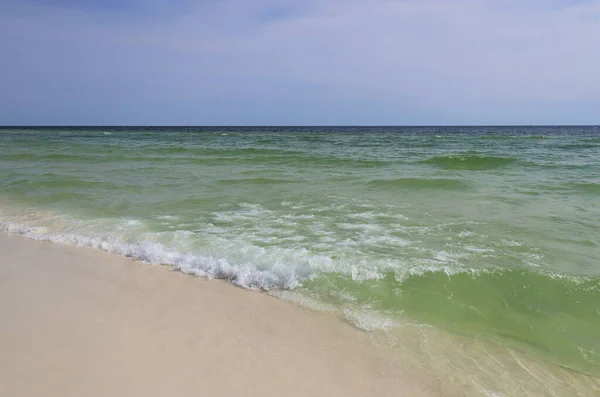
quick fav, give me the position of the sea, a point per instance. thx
(468, 254)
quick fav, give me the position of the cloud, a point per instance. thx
(312, 62)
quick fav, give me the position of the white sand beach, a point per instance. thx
(81, 322)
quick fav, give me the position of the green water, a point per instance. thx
(488, 233)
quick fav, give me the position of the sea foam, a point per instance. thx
(245, 275)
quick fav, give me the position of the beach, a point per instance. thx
(452, 261)
(300, 198)
(81, 322)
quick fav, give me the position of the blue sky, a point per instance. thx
(311, 62)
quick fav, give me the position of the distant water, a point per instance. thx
(490, 234)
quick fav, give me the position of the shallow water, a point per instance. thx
(487, 234)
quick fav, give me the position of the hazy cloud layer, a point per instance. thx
(292, 62)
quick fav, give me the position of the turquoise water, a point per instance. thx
(490, 234)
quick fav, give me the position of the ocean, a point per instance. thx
(472, 253)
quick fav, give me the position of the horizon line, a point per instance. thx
(291, 126)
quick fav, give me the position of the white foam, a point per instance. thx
(366, 271)
(375, 215)
(259, 254)
(444, 256)
(420, 267)
(510, 243)
(360, 226)
(302, 299)
(369, 321)
(298, 216)
(167, 217)
(385, 239)
(254, 276)
(478, 249)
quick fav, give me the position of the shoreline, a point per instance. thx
(78, 321)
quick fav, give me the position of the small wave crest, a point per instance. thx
(256, 181)
(578, 145)
(418, 183)
(586, 187)
(469, 162)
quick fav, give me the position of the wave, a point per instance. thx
(207, 151)
(238, 158)
(583, 187)
(301, 160)
(418, 183)
(200, 156)
(48, 156)
(499, 137)
(551, 315)
(256, 181)
(70, 183)
(82, 157)
(581, 145)
(246, 275)
(574, 187)
(469, 162)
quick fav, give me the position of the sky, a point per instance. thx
(299, 62)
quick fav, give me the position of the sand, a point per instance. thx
(82, 322)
